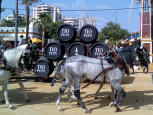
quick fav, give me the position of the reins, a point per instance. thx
(93, 80)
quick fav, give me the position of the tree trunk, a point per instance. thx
(151, 21)
(27, 28)
(0, 8)
(43, 35)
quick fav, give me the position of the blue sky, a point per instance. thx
(130, 22)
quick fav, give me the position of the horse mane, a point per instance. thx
(12, 55)
(126, 54)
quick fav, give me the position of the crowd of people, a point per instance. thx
(22, 40)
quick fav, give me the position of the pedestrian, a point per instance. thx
(107, 41)
(22, 40)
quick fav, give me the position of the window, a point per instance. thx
(1, 30)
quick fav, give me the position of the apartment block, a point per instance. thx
(11, 17)
(79, 22)
(48, 9)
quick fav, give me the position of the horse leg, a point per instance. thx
(4, 83)
(23, 90)
(147, 67)
(73, 98)
(118, 87)
(61, 91)
(133, 70)
(115, 96)
(77, 83)
(144, 70)
(100, 86)
(2, 95)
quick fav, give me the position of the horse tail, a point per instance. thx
(57, 68)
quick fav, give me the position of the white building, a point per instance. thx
(90, 20)
(51, 10)
(9, 32)
(86, 20)
(11, 17)
(71, 20)
(79, 22)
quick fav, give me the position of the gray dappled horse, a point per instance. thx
(79, 68)
(13, 57)
(126, 55)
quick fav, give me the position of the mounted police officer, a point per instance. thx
(107, 41)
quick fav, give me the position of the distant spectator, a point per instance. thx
(22, 40)
(107, 41)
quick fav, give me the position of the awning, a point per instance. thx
(36, 40)
(120, 40)
(132, 40)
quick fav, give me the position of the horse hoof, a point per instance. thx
(96, 97)
(111, 104)
(12, 107)
(60, 110)
(70, 100)
(87, 112)
(118, 109)
(27, 100)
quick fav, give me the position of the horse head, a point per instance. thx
(30, 57)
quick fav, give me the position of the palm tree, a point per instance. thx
(27, 3)
(45, 22)
(0, 8)
(151, 19)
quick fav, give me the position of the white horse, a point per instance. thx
(12, 58)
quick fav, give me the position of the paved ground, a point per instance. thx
(138, 101)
